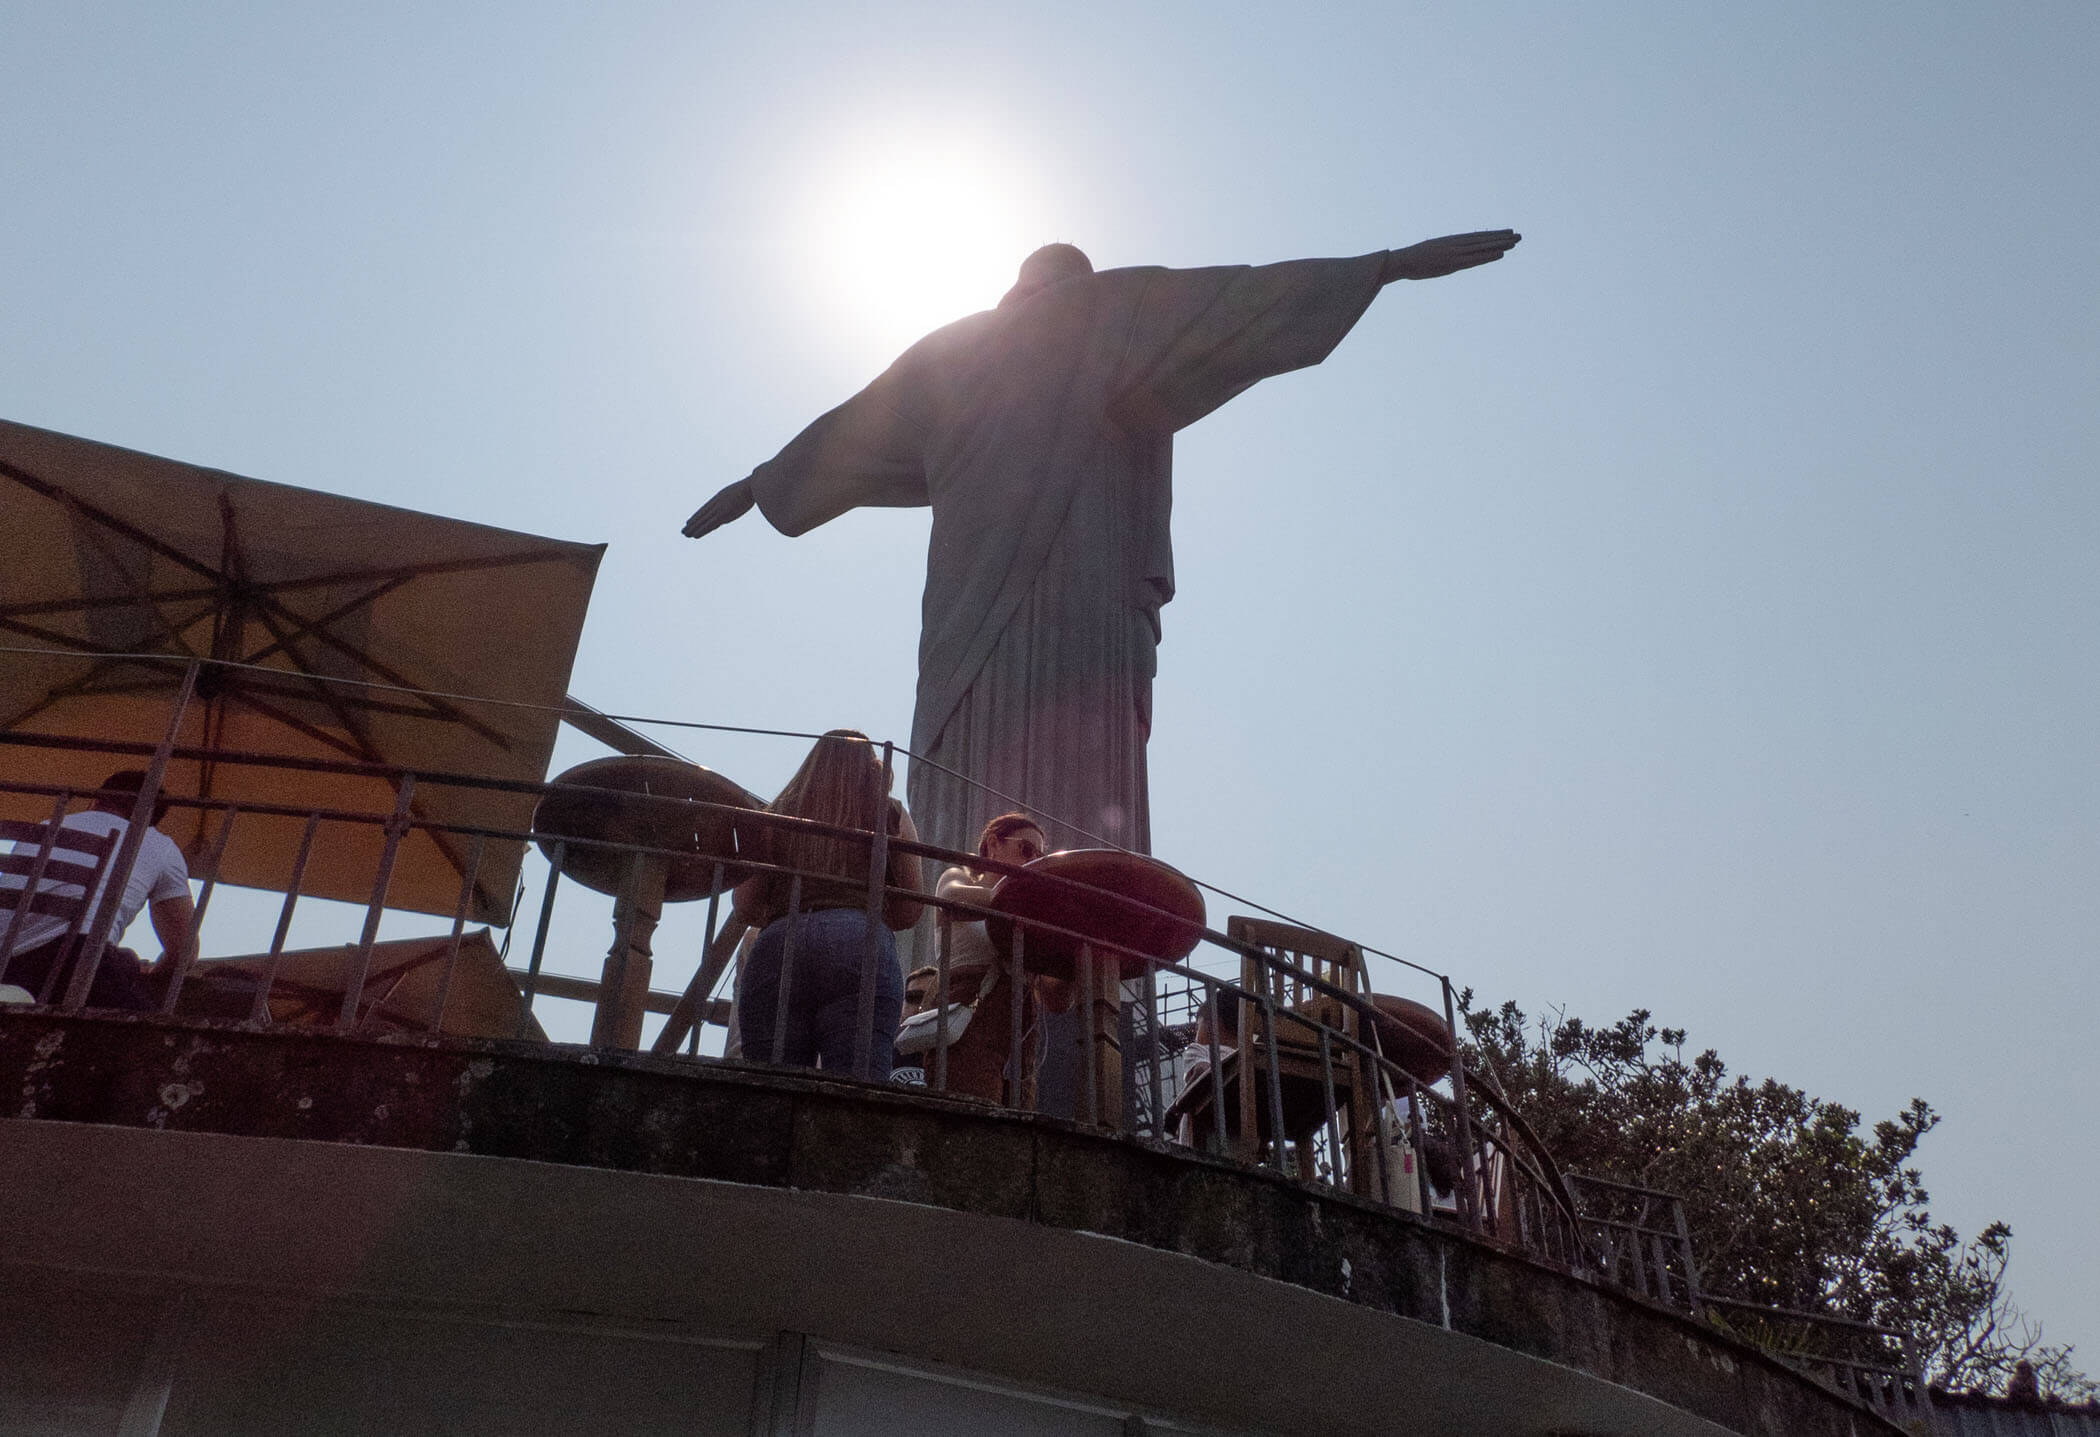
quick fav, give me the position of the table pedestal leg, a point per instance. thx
(623, 989)
(1106, 988)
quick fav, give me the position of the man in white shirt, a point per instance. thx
(159, 878)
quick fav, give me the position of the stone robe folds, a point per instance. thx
(1041, 433)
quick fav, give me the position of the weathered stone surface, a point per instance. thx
(777, 1128)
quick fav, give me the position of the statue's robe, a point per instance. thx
(1041, 433)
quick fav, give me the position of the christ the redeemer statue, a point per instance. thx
(1041, 433)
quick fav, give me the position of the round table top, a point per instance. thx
(629, 807)
(1414, 1036)
(1134, 902)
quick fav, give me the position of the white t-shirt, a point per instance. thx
(159, 873)
(968, 943)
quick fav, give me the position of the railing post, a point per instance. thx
(1154, 1103)
(1691, 1265)
(1086, 1033)
(878, 874)
(1334, 1127)
(259, 1010)
(1469, 1208)
(942, 930)
(530, 987)
(212, 863)
(1017, 1007)
(459, 924)
(30, 882)
(397, 827)
(787, 966)
(1217, 1065)
(118, 873)
(707, 946)
(1274, 1065)
(721, 940)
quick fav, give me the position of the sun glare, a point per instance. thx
(911, 232)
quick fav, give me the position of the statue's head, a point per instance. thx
(1048, 265)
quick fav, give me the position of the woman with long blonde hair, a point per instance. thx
(840, 784)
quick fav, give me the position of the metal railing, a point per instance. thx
(1319, 1099)
(1330, 1106)
(1642, 1242)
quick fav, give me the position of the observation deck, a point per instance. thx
(345, 1214)
(214, 1228)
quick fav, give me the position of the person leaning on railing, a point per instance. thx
(159, 883)
(979, 975)
(841, 784)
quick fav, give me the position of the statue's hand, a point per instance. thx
(732, 503)
(1432, 259)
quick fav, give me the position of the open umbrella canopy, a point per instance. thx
(338, 628)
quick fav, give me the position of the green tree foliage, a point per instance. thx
(1789, 1203)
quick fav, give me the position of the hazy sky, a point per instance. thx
(1694, 611)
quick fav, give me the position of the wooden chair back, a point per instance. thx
(42, 860)
(1308, 958)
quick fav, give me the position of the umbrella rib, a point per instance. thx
(77, 644)
(319, 735)
(439, 708)
(83, 604)
(73, 643)
(322, 691)
(267, 603)
(418, 571)
(341, 611)
(62, 691)
(60, 494)
(101, 516)
(236, 565)
(80, 688)
(53, 636)
(355, 702)
(31, 712)
(141, 596)
(445, 843)
(263, 596)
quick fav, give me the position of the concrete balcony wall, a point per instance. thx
(281, 1231)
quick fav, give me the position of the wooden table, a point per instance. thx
(635, 800)
(1095, 917)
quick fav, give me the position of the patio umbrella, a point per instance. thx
(343, 628)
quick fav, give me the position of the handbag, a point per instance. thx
(923, 1031)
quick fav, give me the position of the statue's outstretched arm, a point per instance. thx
(732, 503)
(1432, 259)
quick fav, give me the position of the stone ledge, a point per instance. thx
(767, 1127)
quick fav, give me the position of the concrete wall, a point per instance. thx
(718, 1206)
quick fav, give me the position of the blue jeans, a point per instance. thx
(823, 994)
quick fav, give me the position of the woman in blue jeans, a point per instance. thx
(833, 950)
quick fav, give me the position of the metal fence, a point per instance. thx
(1643, 1243)
(1321, 1101)
(1261, 1044)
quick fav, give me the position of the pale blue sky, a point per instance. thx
(1694, 611)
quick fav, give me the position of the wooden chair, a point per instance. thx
(1294, 1048)
(39, 875)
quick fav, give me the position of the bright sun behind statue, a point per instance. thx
(911, 232)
